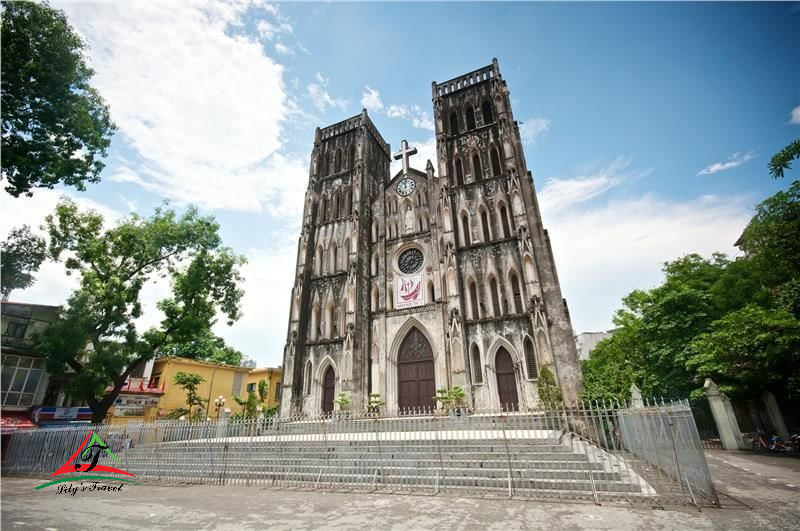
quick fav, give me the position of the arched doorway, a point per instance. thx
(328, 390)
(506, 380)
(415, 376)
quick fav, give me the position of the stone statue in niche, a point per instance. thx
(409, 220)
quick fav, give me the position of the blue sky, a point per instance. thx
(648, 126)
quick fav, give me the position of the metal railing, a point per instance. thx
(596, 452)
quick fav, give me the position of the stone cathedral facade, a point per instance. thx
(419, 281)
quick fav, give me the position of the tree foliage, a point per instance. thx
(782, 160)
(204, 346)
(254, 405)
(189, 382)
(22, 254)
(55, 126)
(733, 321)
(114, 266)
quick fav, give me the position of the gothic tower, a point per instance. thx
(420, 281)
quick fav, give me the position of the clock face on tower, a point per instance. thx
(406, 186)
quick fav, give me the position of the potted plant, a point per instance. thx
(443, 398)
(342, 402)
(456, 395)
(375, 403)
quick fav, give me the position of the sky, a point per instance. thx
(647, 126)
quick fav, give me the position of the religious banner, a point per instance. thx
(409, 292)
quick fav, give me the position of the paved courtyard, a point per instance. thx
(760, 492)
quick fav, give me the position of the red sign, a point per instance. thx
(409, 292)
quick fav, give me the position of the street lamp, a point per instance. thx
(219, 402)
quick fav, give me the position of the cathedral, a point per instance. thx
(426, 280)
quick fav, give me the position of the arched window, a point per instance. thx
(332, 254)
(473, 299)
(495, 162)
(318, 261)
(465, 230)
(374, 268)
(487, 113)
(351, 162)
(453, 123)
(315, 324)
(328, 325)
(485, 225)
(470, 118)
(495, 297)
(459, 173)
(348, 203)
(476, 167)
(431, 294)
(504, 221)
(475, 361)
(325, 164)
(530, 359)
(323, 209)
(307, 379)
(374, 230)
(335, 322)
(517, 293)
(338, 164)
(335, 206)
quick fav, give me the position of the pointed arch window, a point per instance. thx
(476, 167)
(485, 225)
(504, 221)
(517, 293)
(374, 268)
(495, 297)
(530, 359)
(459, 173)
(470, 118)
(475, 361)
(473, 299)
(307, 379)
(348, 203)
(332, 254)
(487, 113)
(495, 156)
(453, 123)
(465, 230)
(335, 206)
(318, 261)
(351, 156)
(323, 209)
(338, 164)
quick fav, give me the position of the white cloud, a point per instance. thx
(419, 118)
(795, 116)
(603, 253)
(532, 129)
(200, 106)
(558, 194)
(320, 97)
(371, 99)
(737, 159)
(397, 111)
(283, 49)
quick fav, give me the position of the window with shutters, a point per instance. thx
(530, 359)
(477, 369)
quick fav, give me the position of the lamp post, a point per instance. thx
(219, 402)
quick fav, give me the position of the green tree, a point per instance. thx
(190, 382)
(114, 265)
(253, 405)
(22, 254)
(749, 351)
(550, 393)
(55, 126)
(782, 160)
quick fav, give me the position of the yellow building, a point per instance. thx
(218, 379)
(272, 376)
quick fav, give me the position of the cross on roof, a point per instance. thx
(404, 153)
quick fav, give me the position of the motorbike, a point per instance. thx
(773, 443)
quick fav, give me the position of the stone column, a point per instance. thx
(775, 416)
(721, 409)
(636, 397)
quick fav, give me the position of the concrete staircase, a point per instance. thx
(530, 461)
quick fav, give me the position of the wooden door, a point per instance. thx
(328, 390)
(506, 380)
(416, 383)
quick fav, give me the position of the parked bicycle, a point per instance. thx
(773, 443)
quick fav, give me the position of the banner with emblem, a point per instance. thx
(409, 292)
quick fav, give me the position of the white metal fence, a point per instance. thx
(596, 452)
